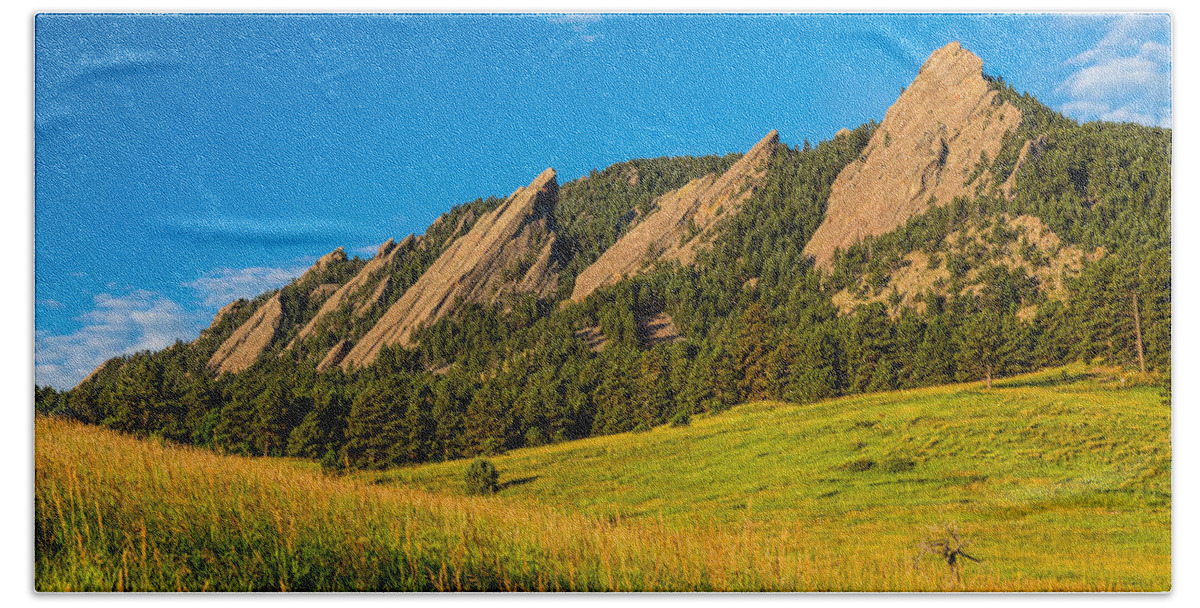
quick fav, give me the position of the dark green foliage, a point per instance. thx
(859, 466)
(898, 465)
(595, 211)
(534, 437)
(1036, 119)
(681, 418)
(1101, 185)
(481, 478)
(756, 320)
(330, 463)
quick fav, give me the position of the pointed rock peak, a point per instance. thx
(757, 154)
(544, 179)
(935, 134)
(681, 221)
(337, 255)
(546, 186)
(950, 55)
(508, 249)
(769, 139)
(946, 72)
(765, 146)
(539, 197)
(385, 248)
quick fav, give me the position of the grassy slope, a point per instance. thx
(1062, 474)
(1060, 480)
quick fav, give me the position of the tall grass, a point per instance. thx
(117, 513)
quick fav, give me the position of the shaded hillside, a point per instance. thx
(594, 211)
(970, 259)
(258, 332)
(363, 290)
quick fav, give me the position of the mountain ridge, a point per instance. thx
(471, 340)
(945, 123)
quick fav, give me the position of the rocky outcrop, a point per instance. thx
(681, 221)
(1032, 146)
(324, 290)
(371, 274)
(919, 274)
(229, 309)
(337, 255)
(660, 329)
(926, 149)
(242, 348)
(381, 291)
(334, 356)
(249, 340)
(509, 249)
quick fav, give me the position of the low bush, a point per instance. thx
(481, 477)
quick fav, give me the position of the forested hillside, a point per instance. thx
(1062, 253)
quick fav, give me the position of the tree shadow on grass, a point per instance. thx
(517, 482)
(1044, 381)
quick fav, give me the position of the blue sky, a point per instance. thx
(182, 161)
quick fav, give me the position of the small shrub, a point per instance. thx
(330, 464)
(481, 477)
(642, 427)
(535, 437)
(860, 465)
(681, 419)
(560, 436)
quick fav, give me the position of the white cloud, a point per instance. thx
(575, 18)
(118, 325)
(1129, 114)
(367, 251)
(143, 320)
(221, 286)
(1124, 77)
(1084, 107)
(1117, 77)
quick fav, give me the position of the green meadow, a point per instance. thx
(1059, 480)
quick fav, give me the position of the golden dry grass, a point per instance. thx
(116, 513)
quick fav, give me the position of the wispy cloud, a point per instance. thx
(272, 231)
(575, 18)
(221, 286)
(1124, 77)
(367, 251)
(578, 24)
(139, 320)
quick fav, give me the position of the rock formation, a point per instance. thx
(371, 274)
(229, 309)
(926, 148)
(1032, 146)
(509, 249)
(334, 356)
(251, 338)
(681, 220)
